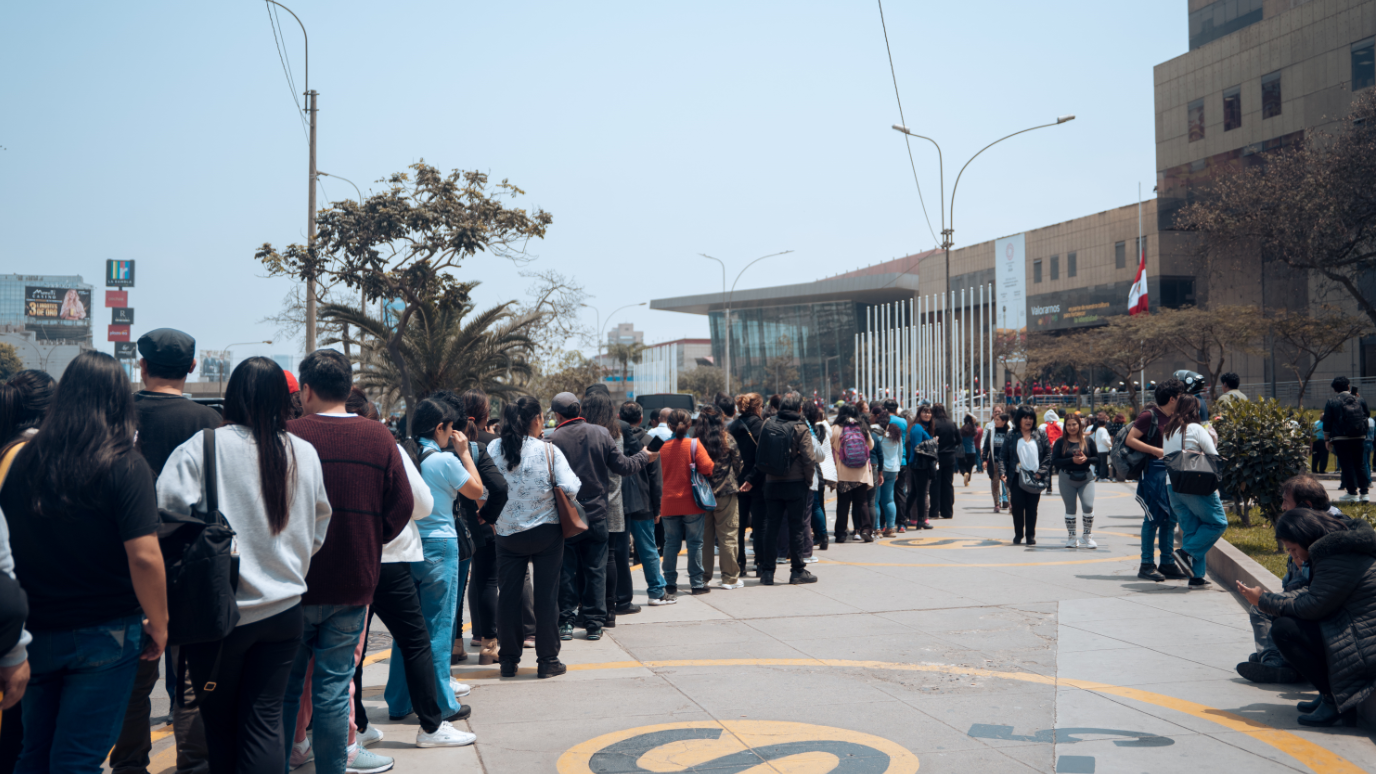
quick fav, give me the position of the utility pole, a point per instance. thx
(312, 107)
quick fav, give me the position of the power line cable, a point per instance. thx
(906, 140)
(286, 71)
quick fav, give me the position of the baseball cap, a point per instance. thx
(565, 404)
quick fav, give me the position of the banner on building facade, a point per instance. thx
(46, 304)
(1010, 282)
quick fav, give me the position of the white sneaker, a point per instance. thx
(809, 559)
(1363, 499)
(663, 601)
(459, 689)
(301, 753)
(1087, 542)
(1070, 542)
(1348, 498)
(368, 762)
(739, 584)
(370, 737)
(445, 736)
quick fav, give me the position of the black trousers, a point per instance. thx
(1301, 643)
(919, 486)
(785, 503)
(900, 496)
(243, 715)
(620, 589)
(750, 511)
(132, 751)
(542, 549)
(397, 603)
(943, 488)
(1318, 461)
(583, 585)
(1349, 453)
(482, 593)
(1024, 507)
(854, 505)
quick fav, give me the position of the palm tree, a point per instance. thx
(443, 348)
(625, 354)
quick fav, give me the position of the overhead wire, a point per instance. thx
(279, 39)
(906, 139)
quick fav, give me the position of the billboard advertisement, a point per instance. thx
(1010, 281)
(1078, 308)
(45, 305)
(119, 274)
(123, 315)
(126, 350)
(214, 365)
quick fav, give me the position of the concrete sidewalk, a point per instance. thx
(948, 647)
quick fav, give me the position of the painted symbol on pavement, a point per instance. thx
(952, 542)
(731, 747)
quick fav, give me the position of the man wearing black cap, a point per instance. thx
(166, 421)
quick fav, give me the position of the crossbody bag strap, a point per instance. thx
(693, 456)
(549, 465)
(212, 494)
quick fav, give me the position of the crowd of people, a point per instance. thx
(330, 521)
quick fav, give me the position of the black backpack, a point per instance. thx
(202, 568)
(775, 454)
(1130, 462)
(1351, 418)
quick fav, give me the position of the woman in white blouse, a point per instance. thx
(528, 534)
(1201, 517)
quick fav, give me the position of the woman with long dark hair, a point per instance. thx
(24, 401)
(921, 469)
(969, 444)
(1074, 455)
(679, 513)
(1201, 517)
(83, 516)
(271, 490)
(854, 477)
(948, 449)
(721, 525)
(529, 535)
(888, 442)
(1024, 449)
(746, 429)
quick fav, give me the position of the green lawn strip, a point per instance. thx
(1259, 540)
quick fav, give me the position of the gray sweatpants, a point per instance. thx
(1084, 490)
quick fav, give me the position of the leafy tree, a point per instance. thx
(402, 246)
(1209, 336)
(10, 364)
(445, 347)
(625, 354)
(1312, 207)
(704, 382)
(1312, 338)
(1262, 444)
(570, 373)
(1010, 351)
(1128, 345)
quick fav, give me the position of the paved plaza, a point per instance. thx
(947, 649)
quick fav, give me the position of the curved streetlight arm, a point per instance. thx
(1057, 122)
(304, 36)
(940, 165)
(748, 265)
(723, 269)
(613, 314)
(347, 180)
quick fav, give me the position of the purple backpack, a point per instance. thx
(854, 452)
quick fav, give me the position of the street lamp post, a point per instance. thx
(228, 357)
(727, 328)
(948, 231)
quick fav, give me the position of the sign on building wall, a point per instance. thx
(47, 304)
(1010, 281)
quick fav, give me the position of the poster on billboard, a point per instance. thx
(1010, 279)
(46, 304)
(214, 365)
(126, 350)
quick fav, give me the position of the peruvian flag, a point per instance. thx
(1137, 296)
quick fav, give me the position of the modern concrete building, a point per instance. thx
(661, 364)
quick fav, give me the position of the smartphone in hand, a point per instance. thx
(655, 443)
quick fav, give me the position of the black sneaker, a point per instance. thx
(1198, 582)
(595, 634)
(508, 670)
(671, 589)
(1017, 541)
(1261, 673)
(462, 714)
(927, 525)
(551, 670)
(1148, 572)
(1171, 571)
(1031, 541)
(566, 631)
(766, 577)
(627, 609)
(610, 623)
(703, 590)
(1255, 658)
(800, 577)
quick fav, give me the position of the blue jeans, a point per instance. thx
(676, 528)
(643, 533)
(79, 686)
(439, 580)
(1158, 526)
(330, 633)
(819, 514)
(1202, 522)
(888, 511)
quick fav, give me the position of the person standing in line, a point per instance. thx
(592, 454)
(598, 410)
(1102, 443)
(710, 431)
(889, 444)
(851, 445)
(641, 496)
(1158, 523)
(745, 428)
(371, 497)
(682, 517)
(1230, 393)
(900, 487)
(788, 470)
(440, 576)
(947, 437)
(660, 426)
(397, 603)
(82, 512)
(994, 437)
(825, 477)
(1344, 428)
(166, 420)
(921, 469)
(529, 535)
(1073, 456)
(1025, 449)
(969, 457)
(1201, 517)
(271, 490)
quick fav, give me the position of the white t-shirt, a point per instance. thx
(1027, 453)
(1195, 436)
(1102, 441)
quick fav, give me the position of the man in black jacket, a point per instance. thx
(786, 489)
(591, 453)
(640, 497)
(746, 428)
(1344, 426)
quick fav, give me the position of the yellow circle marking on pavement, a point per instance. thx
(1100, 560)
(732, 745)
(1319, 759)
(966, 543)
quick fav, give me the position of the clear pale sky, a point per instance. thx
(165, 132)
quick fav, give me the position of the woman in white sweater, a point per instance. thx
(271, 490)
(1201, 517)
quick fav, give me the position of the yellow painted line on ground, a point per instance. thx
(983, 564)
(1317, 758)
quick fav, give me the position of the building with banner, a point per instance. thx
(47, 318)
